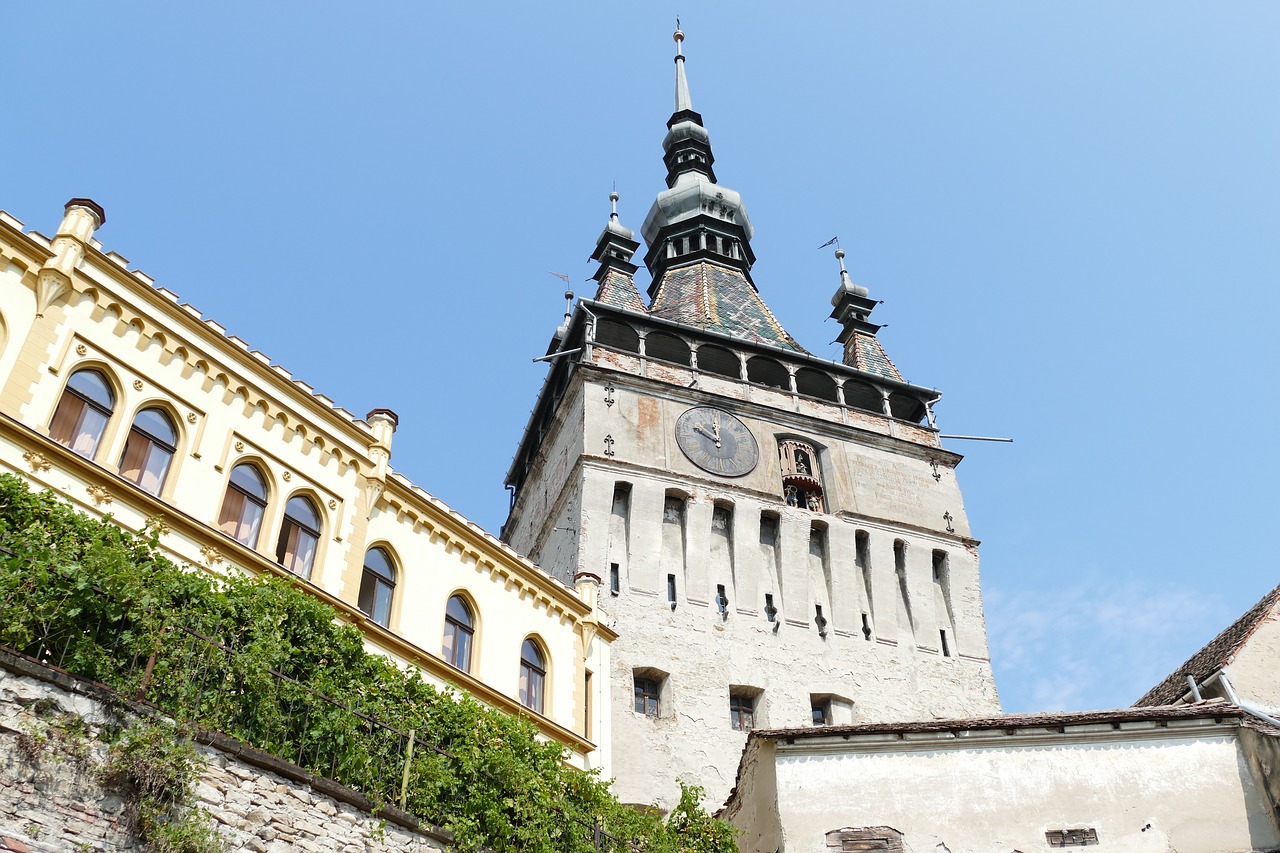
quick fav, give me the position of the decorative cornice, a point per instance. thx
(232, 355)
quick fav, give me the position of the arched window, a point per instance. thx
(243, 505)
(149, 450)
(533, 675)
(718, 360)
(459, 629)
(299, 535)
(666, 347)
(815, 383)
(83, 412)
(377, 584)
(766, 371)
(860, 395)
(612, 333)
(906, 408)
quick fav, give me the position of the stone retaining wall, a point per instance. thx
(52, 801)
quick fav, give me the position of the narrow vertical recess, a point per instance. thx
(862, 561)
(674, 539)
(770, 563)
(906, 620)
(942, 599)
(820, 569)
(619, 535)
(721, 565)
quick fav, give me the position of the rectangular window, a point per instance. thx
(742, 712)
(647, 691)
(722, 600)
(820, 712)
(946, 649)
(615, 579)
(866, 626)
(671, 590)
(770, 612)
(820, 620)
(586, 705)
(939, 566)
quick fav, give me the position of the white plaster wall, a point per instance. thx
(1143, 793)
(1253, 672)
(896, 674)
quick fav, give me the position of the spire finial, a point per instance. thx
(613, 199)
(683, 100)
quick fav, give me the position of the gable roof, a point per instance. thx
(1216, 654)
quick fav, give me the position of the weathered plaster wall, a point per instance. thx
(1187, 787)
(879, 482)
(1253, 671)
(53, 803)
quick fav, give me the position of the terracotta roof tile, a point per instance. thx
(1215, 708)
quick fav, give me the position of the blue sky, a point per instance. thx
(1069, 209)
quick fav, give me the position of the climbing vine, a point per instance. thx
(264, 662)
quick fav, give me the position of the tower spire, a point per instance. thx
(683, 100)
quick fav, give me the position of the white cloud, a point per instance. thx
(1096, 643)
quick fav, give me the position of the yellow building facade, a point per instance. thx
(127, 401)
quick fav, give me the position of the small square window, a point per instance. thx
(742, 711)
(821, 713)
(647, 696)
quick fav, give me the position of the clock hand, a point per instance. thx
(698, 428)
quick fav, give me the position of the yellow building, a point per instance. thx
(129, 402)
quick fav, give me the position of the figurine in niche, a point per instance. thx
(814, 502)
(793, 499)
(802, 462)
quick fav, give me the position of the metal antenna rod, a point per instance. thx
(976, 438)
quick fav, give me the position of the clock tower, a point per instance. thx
(780, 539)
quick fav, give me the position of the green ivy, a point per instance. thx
(276, 670)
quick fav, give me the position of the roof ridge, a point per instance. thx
(1213, 655)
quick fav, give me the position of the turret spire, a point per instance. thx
(615, 247)
(852, 306)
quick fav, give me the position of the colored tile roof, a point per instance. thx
(718, 299)
(870, 356)
(618, 290)
(1216, 654)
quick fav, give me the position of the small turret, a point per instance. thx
(851, 307)
(615, 248)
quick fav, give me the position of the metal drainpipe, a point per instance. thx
(1248, 707)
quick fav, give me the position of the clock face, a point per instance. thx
(717, 442)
